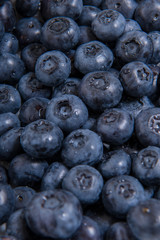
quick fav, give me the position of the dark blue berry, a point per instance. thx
(9, 44)
(131, 25)
(92, 2)
(55, 214)
(67, 111)
(87, 15)
(52, 68)
(27, 8)
(3, 175)
(8, 121)
(7, 15)
(23, 196)
(82, 146)
(155, 37)
(86, 35)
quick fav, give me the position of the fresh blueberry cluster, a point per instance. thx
(79, 120)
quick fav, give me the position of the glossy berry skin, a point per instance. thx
(10, 143)
(26, 171)
(135, 106)
(125, 7)
(7, 15)
(131, 25)
(87, 15)
(120, 194)
(115, 126)
(100, 90)
(143, 219)
(11, 67)
(7, 202)
(146, 166)
(28, 30)
(82, 146)
(29, 86)
(53, 176)
(60, 33)
(70, 86)
(31, 53)
(118, 231)
(147, 15)
(67, 8)
(10, 100)
(147, 127)
(9, 44)
(134, 46)
(155, 37)
(88, 54)
(52, 68)
(23, 196)
(32, 110)
(67, 111)
(92, 2)
(115, 163)
(89, 230)
(108, 25)
(137, 79)
(60, 208)
(85, 182)
(8, 121)
(41, 139)
(17, 226)
(86, 35)
(27, 8)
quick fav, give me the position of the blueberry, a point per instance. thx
(23, 196)
(41, 139)
(7, 201)
(118, 231)
(9, 44)
(143, 220)
(146, 166)
(10, 143)
(100, 90)
(125, 7)
(108, 25)
(31, 53)
(55, 214)
(134, 46)
(26, 171)
(67, 111)
(27, 8)
(52, 68)
(17, 226)
(11, 67)
(10, 100)
(2, 30)
(85, 182)
(115, 126)
(68, 8)
(7, 15)
(29, 86)
(89, 230)
(8, 121)
(82, 146)
(87, 15)
(137, 79)
(147, 14)
(60, 33)
(121, 193)
(147, 127)
(115, 163)
(28, 30)
(53, 176)
(93, 56)
(33, 109)
(155, 37)
(70, 86)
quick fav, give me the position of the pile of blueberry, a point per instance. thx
(79, 119)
